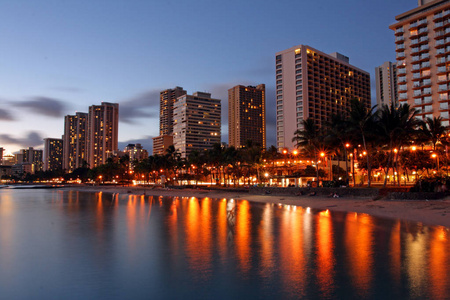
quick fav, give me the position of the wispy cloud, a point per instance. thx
(145, 105)
(32, 139)
(43, 105)
(5, 115)
(67, 89)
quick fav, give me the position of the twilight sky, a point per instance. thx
(60, 57)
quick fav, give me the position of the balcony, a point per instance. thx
(423, 31)
(426, 92)
(399, 31)
(441, 61)
(413, 25)
(399, 39)
(414, 42)
(443, 79)
(443, 89)
(400, 55)
(438, 17)
(442, 70)
(400, 47)
(401, 64)
(401, 71)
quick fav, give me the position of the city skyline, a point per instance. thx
(62, 58)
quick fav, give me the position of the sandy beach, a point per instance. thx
(432, 212)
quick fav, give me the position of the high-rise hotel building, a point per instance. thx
(247, 115)
(53, 154)
(75, 141)
(386, 84)
(167, 100)
(103, 132)
(312, 84)
(196, 123)
(422, 38)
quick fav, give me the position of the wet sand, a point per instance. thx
(432, 212)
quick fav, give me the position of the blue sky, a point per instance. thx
(60, 57)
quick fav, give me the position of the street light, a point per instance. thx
(347, 145)
(434, 155)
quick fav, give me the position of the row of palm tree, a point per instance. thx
(387, 131)
(219, 164)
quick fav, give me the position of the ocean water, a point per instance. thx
(57, 244)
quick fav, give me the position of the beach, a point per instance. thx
(432, 212)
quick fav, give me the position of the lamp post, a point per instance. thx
(346, 164)
(434, 155)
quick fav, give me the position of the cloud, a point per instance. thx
(5, 115)
(32, 139)
(145, 105)
(146, 142)
(68, 89)
(43, 105)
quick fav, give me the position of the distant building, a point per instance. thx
(247, 115)
(21, 169)
(135, 152)
(1, 155)
(423, 55)
(75, 141)
(161, 143)
(196, 123)
(167, 100)
(386, 84)
(31, 158)
(8, 159)
(53, 154)
(103, 131)
(5, 170)
(312, 84)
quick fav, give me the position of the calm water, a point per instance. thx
(73, 245)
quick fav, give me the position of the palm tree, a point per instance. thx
(433, 130)
(361, 121)
(337, 138)
(398, 126)
(309, 140)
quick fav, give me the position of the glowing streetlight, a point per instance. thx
(322, 154)
(295, 152)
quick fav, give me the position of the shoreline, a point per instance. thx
(432, 212)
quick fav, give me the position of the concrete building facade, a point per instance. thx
(312, 84)
(386, 84)
(161, 143)
(197, 121)
(75, 141)
(31, 158)
(247, 115)
(53, 154)
(167, 100)
(103, 132)
(422, 38)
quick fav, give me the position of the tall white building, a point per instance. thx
(312, 84)
(196, 123)
(53, 154)
(422, 38)
(386, 84)
(103, 132)
(75, 141)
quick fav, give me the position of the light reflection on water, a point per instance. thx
(74, 245)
